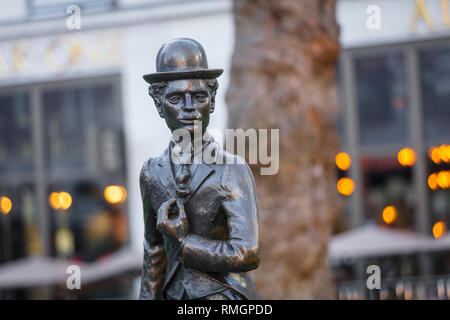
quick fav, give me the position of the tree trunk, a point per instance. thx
(283, 76)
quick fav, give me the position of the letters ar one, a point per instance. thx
(201, 221)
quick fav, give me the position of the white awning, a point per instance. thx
(39, 271)
(114, 264)
(374, 240)
(32, 271)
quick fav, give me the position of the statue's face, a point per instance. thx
(186, 101)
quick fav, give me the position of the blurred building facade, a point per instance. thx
(395, 125)
(76, 124)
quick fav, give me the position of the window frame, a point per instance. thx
(40, 179)
(417, 138)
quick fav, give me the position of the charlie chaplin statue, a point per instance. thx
(201, 220)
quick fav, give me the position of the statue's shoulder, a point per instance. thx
(236, 174)
(228, 158)
(149, 168)
(232, 164)
(144, 175)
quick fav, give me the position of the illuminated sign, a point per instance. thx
(421, 12)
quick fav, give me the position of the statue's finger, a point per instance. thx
(168, 208)
(179, 203)
(169, 203)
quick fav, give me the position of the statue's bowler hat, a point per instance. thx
(182, 59)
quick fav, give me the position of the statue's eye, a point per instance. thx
(174, 99)
(200, 97)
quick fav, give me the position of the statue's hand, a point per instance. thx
(172, 220)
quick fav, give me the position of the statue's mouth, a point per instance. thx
(189, 120)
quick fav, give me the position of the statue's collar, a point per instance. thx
(195, 152)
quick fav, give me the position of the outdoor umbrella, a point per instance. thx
(33, 271)
(373, 240)
(39, 270)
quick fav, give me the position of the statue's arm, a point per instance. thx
(154, 267)
(240, 252)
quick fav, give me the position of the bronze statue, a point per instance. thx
(201, 221)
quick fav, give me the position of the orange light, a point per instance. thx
(65, 199)
(443, 179)
(432, 181)
(60, 200)
(434, 155)
(443, 153)
(439, 229)
(447, 151)
(406, 157)
(115, 194)
(345, 186)
(5, 205)
(430, 151)
(389, 214)
(343, 160)
(53, 200)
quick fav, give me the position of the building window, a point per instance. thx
(435, 80)
(15, 134)
(384, 83)
(382, 97)
(80, 154)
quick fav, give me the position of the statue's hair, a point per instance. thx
(213, 84)
(155, 90)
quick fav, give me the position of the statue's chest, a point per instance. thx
(203, 209)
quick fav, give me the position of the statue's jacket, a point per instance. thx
(223, 241)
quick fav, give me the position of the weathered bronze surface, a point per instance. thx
(201, 220)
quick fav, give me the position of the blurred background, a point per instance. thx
(76, 125)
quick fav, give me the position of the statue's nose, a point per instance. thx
(188, 105)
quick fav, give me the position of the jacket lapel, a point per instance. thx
(201, 173)
(165, 174)
(166, 178)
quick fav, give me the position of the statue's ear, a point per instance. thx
(158, 106)
(213, 105)
(155, 91)
(213, 85)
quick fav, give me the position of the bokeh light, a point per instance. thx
(432, 181)
(65, 200)
(5, 205)
(406, 157)
(443, 179)
(389, 214)
(439, 229)
(343, 160)
(53, 200)
(64, 241)
(345, 186)
(60, 200)
(434, 155)
(115, 194)
(440, 154)
(443, 153)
